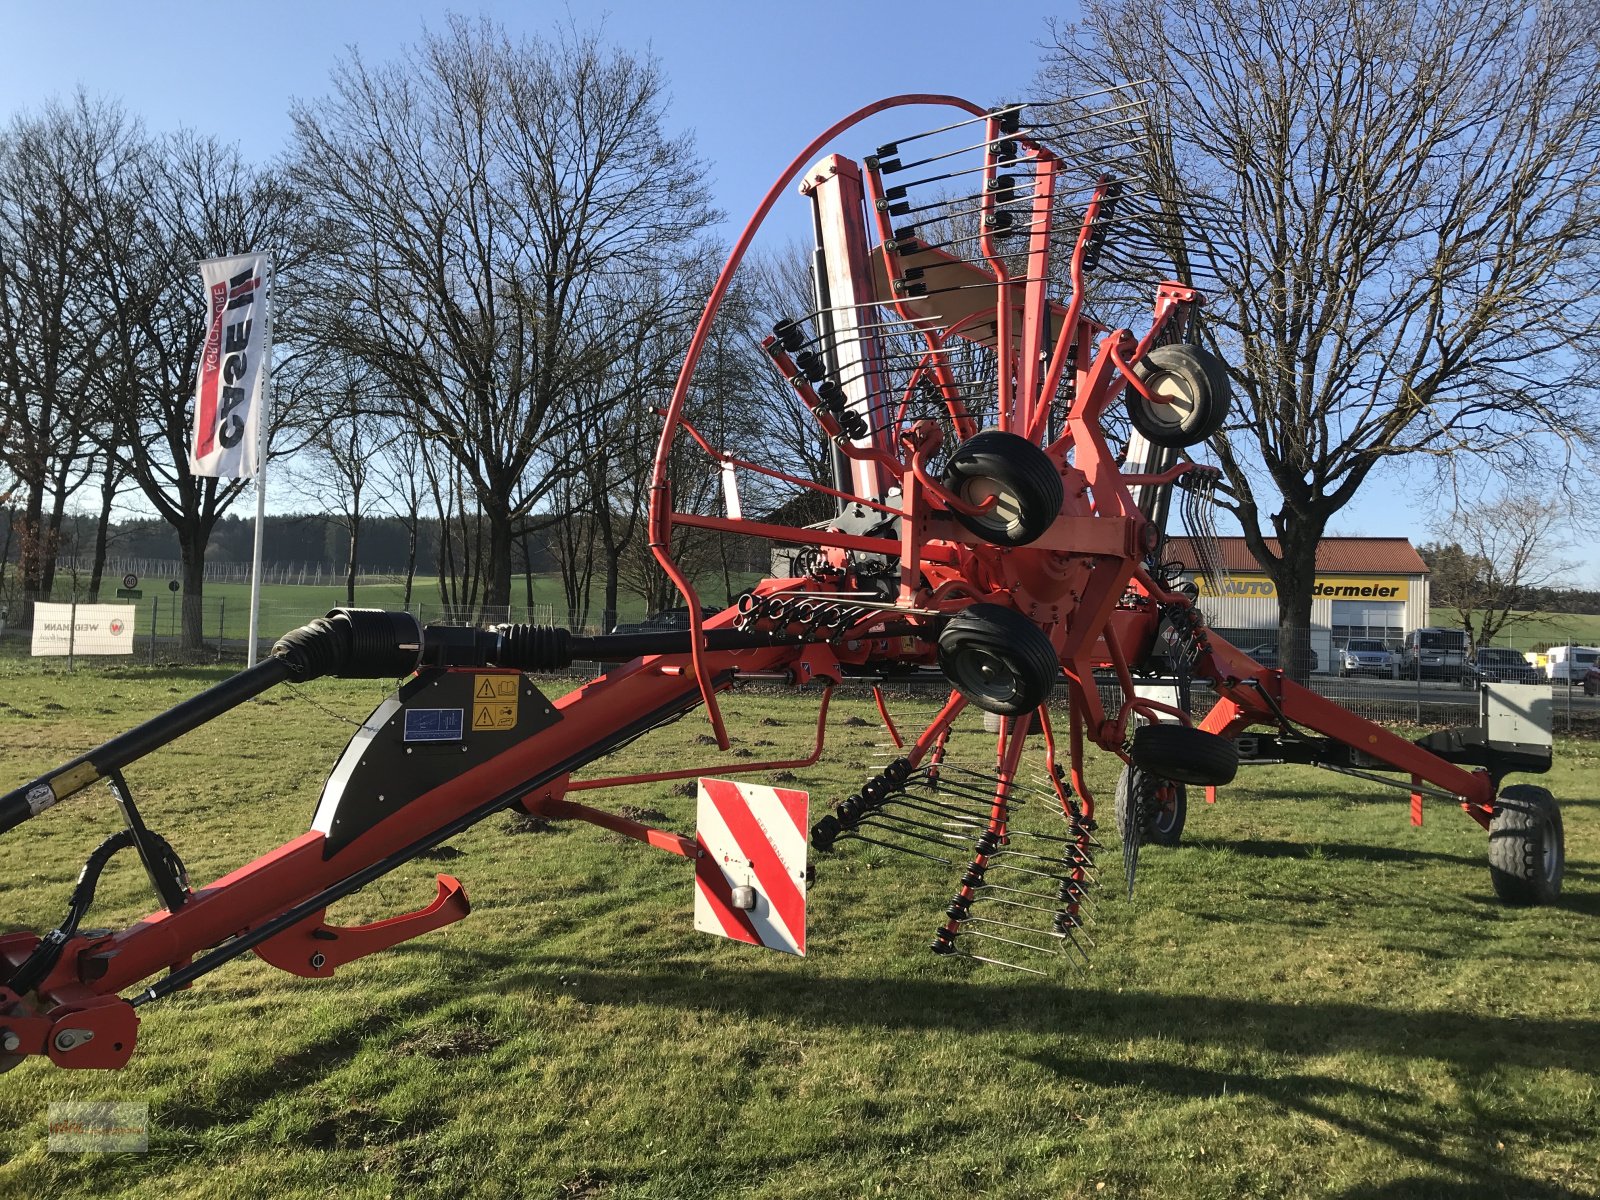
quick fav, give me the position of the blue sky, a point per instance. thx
(754, 82)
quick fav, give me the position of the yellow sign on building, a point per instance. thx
(1325, 587)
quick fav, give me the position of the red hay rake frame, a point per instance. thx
(923, 563)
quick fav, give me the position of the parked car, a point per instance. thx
(1567, 664)
(1368, 656)
(1267, 655)
(1496, 664)
(1591, 681)
(1431, 652)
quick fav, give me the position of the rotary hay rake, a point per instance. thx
(982, 525)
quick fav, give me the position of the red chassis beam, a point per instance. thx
(1252, 695)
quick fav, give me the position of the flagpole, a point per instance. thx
(263, 418)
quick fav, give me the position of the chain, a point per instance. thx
(305, 697)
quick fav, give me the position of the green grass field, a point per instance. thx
(1582, 629)
(287, 606)
(1309, 998)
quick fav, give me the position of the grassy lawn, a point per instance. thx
(1582, 629)
(1309, 998)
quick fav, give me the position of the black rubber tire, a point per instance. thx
(1021, 474)
(1185, 754)
(1198, 383)
(998, 659)
(1163, 826)
(1527, 846)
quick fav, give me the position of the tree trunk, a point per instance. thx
(411, 562)
(613, 578)
(350, 569)
(47, 581)
(33, 552)
(102, 538)
(193, 549)
(5, 550)
(497, 569)
(1294, 575)
(527, 574)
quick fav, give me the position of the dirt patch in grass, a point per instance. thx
(527, 823)
(584, 1184)
(648, 816)
(440, 854)
(457, 1041)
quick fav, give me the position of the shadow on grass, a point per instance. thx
(1474, 1041)
(1587, 903)
(1068, 1023)
(1495, 1187)
(1311, 850)
(238, 1093)
(1319, 1097)
(1336, 851)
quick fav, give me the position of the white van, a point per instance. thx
(1567, 664)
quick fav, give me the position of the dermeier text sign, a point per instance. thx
(1325, 587)
(93, 629)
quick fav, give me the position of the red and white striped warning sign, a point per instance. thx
(750, 878)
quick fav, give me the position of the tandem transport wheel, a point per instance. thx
(1159, 805)
(1185, 754)
(1527, 846)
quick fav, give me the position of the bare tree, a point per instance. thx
(403, 489)
(113, 474)
(1401, 207)
(54, 331)
(1490, 556)
(337, 465)
(772, 285)
(487, 207)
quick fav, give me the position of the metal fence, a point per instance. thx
(1428, 704)
(158, 640)
(158, 636)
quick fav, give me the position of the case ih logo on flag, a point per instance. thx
(229, 395)
(750, 878)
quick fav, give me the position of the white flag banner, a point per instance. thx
(230, 395)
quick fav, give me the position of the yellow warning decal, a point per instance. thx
(494, 702)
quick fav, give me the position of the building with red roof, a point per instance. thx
(1366, 587)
